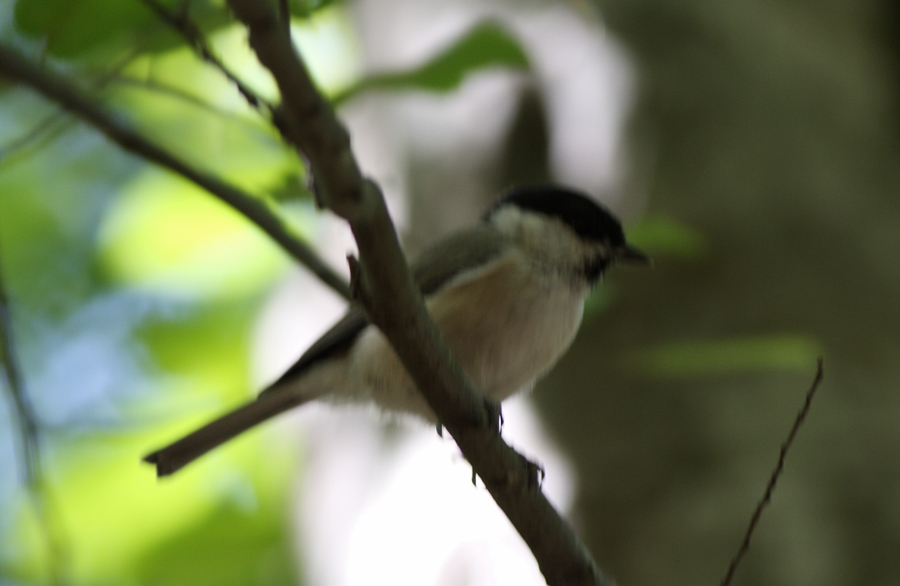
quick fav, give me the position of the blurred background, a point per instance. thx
(753, 148)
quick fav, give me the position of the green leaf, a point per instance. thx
(486, 45)
(73, 28)
(166, 235)
(728, 356)
(664, 236)
(229, 546)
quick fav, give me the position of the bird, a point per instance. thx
(507, 295)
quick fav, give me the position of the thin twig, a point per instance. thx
(186, 97)
(46, 129)
(29, 440)
(53, 125)
(393, 303)
(776, 473)
(256, 210)
(188, 29)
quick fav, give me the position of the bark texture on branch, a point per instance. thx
(386, 289)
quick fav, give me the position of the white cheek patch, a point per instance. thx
(548, 240)
(525, 228)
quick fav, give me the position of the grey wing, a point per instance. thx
(334, 342)
(435, 267)
(447, 258)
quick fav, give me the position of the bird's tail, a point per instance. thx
(184, 451)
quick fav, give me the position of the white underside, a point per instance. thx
(537, 313)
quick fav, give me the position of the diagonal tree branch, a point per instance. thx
(56, 88)
(395, 305)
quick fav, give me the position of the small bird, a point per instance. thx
(507, 295)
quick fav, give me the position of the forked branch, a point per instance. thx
(395, 305)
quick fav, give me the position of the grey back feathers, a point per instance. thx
(469, 249)
(457, 253)
(460, 252)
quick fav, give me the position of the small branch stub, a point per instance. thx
(357, 290)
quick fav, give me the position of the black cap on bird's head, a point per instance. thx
(590, 220)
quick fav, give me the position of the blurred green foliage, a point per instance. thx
(486, 45)
(83, 28)
(135, 294)
(261, 555)
(667, 237)
(205, 249)
(728, 356)
(773, 131)
(772, 218)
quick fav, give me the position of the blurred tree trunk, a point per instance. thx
(773, 131)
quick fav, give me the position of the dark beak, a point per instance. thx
(628, 255)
